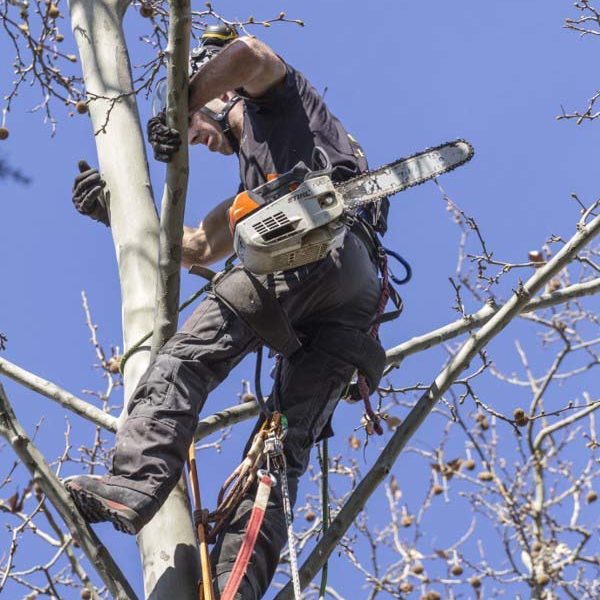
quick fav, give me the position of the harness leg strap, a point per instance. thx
(258, 308)
(354, 347)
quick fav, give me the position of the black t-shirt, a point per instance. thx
(282, 128)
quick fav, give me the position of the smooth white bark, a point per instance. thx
(97, 27)
(173, 200)
(167, 545)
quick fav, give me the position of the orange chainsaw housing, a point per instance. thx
(241, 207)
(243, 204)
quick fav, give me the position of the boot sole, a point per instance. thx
(96, 509)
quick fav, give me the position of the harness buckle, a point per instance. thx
(266, 473)
(273, 445)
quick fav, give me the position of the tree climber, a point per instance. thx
(246, 100)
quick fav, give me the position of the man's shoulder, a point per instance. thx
(294, 85)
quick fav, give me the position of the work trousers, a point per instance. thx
(341, 291)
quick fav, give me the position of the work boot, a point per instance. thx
(128, 510)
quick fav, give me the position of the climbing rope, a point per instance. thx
(324, 460)
(274, 449)
(265, 483)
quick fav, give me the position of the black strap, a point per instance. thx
(258, 308)
(354, 347)
(223, 122)
(259, 395)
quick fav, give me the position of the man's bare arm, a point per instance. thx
(210, 241)
(246, 63)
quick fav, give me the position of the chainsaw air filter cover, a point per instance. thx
(299, 228)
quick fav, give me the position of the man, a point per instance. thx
(246, 100)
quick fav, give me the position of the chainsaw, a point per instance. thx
(297, 218)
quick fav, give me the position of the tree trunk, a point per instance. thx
(167, 545)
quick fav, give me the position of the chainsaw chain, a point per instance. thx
(373, 174)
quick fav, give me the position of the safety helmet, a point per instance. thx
(212, 41)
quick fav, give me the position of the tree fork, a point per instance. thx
(167, 544)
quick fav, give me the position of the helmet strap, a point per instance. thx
(223, 122)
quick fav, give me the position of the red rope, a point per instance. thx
(256, 518)
(363, 387)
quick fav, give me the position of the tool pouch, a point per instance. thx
(240, 291)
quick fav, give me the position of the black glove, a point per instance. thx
(164, 141)
(88, 194)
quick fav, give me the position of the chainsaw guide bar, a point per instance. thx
(300, 216)
(404, 173)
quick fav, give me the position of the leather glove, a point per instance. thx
(88, 194)
(164, 141)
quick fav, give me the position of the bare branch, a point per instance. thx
(173, 200)
(427, 401)
(66, 399)
(483, 315)
(31, 457)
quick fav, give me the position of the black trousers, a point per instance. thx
(151, 447)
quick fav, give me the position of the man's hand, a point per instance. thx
(164, 141)
(88, 194)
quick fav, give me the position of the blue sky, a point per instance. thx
(401, 75)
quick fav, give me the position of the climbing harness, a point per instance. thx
(267, 450)
(265, 482)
